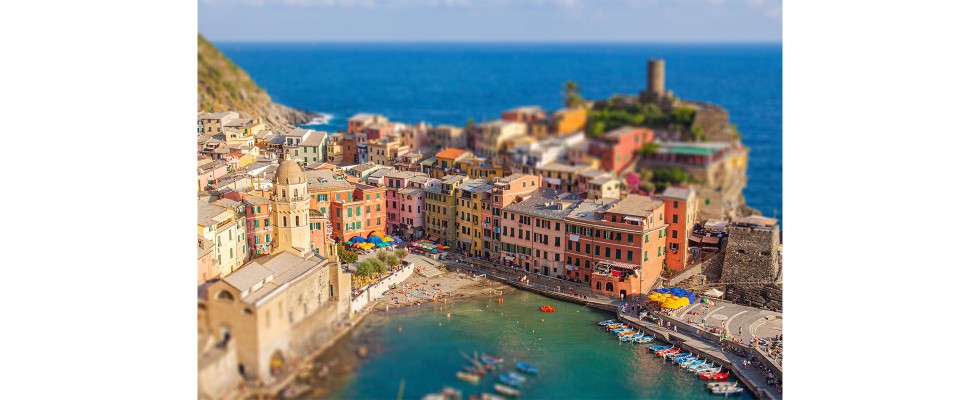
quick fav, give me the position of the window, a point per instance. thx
(707, 202)
(607, 252)
(629, 238)
(557, 241)
(297, 220)
(267, 222)
(267, 238)
(645, 256)
(675, 218)
(257, 223)
(619, 254)
(647, 238)
(283, 220)
(673, 234)
(629, 255)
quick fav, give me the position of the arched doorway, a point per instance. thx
(598, 286)
(609, 286)
(277, 364)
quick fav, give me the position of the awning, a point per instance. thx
(709, 240)
(714, 293)
(509, 258)
(570, 268)
(695, 239)
(573, 238)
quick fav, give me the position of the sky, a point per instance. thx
(491, 20)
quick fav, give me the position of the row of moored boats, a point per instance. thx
(508, 382)
(705, 369)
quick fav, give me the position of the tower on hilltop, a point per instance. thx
(656, 91)
(291, 209)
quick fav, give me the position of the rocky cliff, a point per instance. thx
(223, 86)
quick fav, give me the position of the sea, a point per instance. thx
(448, 83)
(419, 352)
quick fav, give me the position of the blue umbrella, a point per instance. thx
(376, 240)
(357, 239)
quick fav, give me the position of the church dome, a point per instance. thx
(289, 173)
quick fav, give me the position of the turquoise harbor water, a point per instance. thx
(575, 358)
(449, 82)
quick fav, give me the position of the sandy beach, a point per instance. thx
(418, 290)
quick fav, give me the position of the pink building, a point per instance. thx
(210, 172)
(532, 231)
(405, 202)
(258, 225)
(506, 191)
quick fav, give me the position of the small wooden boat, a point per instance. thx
(616, 326)
(474, 370)
(726, 390)
(707, 369)
(509, 381)
(608, 322)
(658, 348)
(517, 376)
(720, 384)
(645, 339)
(547, 309)
(663, 353)
(714, 376)
(434, 396)
(506, 390)
(679, 355)
(526, 368)
(468, 377)
(491, 359)
(490, 396)
(451, 392)
(694, 365)
(627, 333)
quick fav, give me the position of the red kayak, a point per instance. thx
(673, 350)
(714, 376)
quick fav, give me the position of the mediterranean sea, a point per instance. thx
(575, 358)
(451, 82)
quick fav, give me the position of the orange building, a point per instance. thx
(568, 120)
(680, 209)
(447, 162)
(352, 208)
(617, 148)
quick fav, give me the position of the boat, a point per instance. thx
(624, 333)
(678, 355)
(707, 368)
(629, 338)
(720, 384)
(645, 339)
(468, 377)
(608, 322)
(451, 392)
(434, 396)
(509, 381)
(547, 309)
(506, 390)
(620, 329)
(714, 376)
(474, 370)
(490, 396)
(726, 390)
(694, 365)
(658, 348)
(517, 376)
(685, 360)
(491, 359)
(526, 368)
(663, 353)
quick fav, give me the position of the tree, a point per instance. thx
(572, 98)
(649, 149)
(470, 123)
(401, 254)
(345, 255)
(369, 267)
(388, 258)
(597, 128)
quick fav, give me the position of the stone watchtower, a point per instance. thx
(656, 92)
(291, 210)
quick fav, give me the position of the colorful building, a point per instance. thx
(680, 211)
(405, 201)
(223, 223)
(358, 122)
(361, 214)
(506, 191)
(616, 246)
(447, 136)
(533, 233)
(568, 120)
(440, 209)
(493, 134)
(258, 224)
(447, 162)
(617, 148)
(472, 198)
(524, 114)
(561, 177)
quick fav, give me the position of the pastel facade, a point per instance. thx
(533, 231)
(617, 148)
(440, 209)
(680, 212)
(506, 191)
(447, 162)
(616, 246)
(446, 136)
(524, 114)
(405, 201)
(472, 198)
(358, 122)
(224, 225)
(493, 134)
(568, 120)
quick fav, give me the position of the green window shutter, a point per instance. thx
(267, 238)
(647, 237)
(645, 258)
(257, 223)
(266, 222)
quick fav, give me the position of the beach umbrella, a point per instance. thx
(357, 239)
(368, 246)
(348, 243)
(375, 240)
(388, 239)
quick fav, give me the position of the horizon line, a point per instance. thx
(683, 42)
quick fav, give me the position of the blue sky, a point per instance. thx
(492, 20)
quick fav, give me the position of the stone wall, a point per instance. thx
(751, 254)
(767, 296)
(217, 371)
(712, 268)
(714, 121)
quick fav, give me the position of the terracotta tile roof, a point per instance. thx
(451, 153)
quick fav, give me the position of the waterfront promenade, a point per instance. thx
(691, 337)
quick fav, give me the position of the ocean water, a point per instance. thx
(448, 83)
(576, 359)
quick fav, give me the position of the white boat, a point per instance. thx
(726, 390)
(468, 377)
(720, 384)
(506, 390)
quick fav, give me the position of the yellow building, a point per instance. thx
(493, 134)
(472, 199)
(223, 224)
(440, 209)
(270, 310)
(477, 168)
(383, 151)
(567, 120)
(559, 176)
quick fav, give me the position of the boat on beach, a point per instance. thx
(506, 390)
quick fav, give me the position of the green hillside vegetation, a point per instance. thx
(223, 86)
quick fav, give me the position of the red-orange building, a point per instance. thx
(617, 148)
(524, 114)
(352, 208)
(616, 246)
(680, 210)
